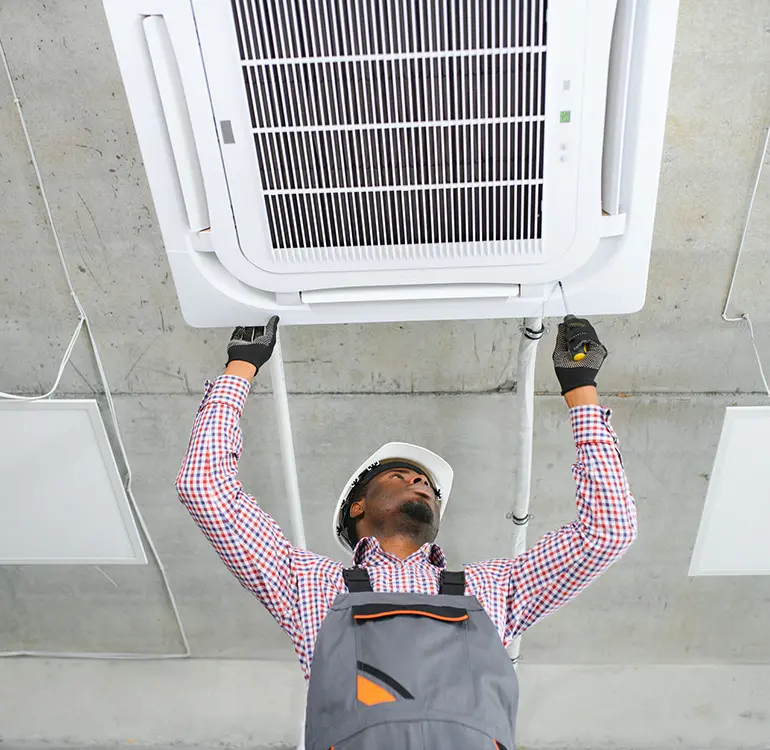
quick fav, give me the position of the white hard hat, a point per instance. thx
(436, 469)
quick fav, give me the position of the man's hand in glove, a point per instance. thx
(250, 348)
(578, 377)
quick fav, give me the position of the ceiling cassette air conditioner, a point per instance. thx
(348, 160)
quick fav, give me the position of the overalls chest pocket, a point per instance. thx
(413, 652)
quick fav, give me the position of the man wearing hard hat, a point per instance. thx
(405, 654)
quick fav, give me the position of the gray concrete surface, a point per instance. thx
(250, 704)
(643, 636)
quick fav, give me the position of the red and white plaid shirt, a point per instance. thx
(298, 586)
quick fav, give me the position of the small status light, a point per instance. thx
(565, 116)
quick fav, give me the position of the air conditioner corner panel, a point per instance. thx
(207, 304)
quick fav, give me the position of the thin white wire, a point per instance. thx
(83, 321)
(745, 316)
(65, 359)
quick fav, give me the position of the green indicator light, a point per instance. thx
(565, 116)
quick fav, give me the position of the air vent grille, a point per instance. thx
(385, 129)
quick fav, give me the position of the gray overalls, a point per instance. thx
(408, 671)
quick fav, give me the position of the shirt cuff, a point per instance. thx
(227, 389)
(591, 424)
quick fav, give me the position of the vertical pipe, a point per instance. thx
(525, 416)
(281, 401)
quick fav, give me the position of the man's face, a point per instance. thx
(399, 500)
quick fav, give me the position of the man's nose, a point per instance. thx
(420, 479)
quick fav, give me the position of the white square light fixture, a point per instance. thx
(62, 500)
(732, 539)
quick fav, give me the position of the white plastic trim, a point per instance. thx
(177, 116)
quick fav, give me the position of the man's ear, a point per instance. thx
(357, 509)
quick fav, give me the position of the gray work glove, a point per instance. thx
(578, 354)
(254, 344)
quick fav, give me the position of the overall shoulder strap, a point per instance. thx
(357, 580)
(452, 583)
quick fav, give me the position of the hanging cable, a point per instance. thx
(745, 316)
(84, 322)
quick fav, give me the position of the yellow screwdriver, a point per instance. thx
(577, 350)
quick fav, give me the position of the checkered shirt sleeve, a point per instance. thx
(246, 538)
(564, 562)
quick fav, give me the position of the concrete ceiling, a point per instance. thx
(673, 368)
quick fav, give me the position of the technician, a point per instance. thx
(405, 654)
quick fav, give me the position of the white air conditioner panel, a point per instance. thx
(388, 156)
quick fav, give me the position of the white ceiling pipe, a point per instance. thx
(531, 334)
(288, 459)
(281, 401)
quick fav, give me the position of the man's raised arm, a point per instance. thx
(565, 561)
(246, 538)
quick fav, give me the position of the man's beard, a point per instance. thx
(415, 510)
